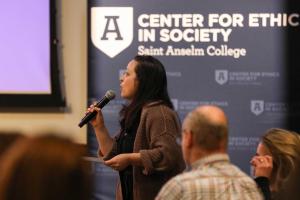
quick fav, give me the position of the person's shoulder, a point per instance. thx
(159, 111)
(185, 177)
(157, 106)
(172, 189)
(238, 173)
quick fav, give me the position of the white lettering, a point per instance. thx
(226, 20)
(271, 19)
(223, 50)
(195, 35)
(170, 20)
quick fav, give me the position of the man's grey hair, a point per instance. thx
(207, 134)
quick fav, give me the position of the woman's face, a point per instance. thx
(129, 82)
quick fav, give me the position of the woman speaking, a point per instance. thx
(145, 151)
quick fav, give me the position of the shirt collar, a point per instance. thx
(154, 103)
(210, 159)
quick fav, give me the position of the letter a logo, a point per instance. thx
(112, 29)
(257, 107)
(221, 76)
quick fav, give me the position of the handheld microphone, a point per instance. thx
(109, 95)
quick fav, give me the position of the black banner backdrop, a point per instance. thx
(239, 55)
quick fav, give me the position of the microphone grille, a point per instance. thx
(110, 94)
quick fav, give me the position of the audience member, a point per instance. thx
(44, 168)
(7, 139)
(276, 162)
(212, 176)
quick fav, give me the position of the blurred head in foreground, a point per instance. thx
(46, 167)
(7, 139)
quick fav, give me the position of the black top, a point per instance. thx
(125, 145)
(264, 185)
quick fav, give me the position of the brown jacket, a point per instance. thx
(156, 140)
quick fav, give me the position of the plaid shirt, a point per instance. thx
(211, 178)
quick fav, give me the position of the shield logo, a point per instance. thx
(111, 29)
(221, 76)
(257, 107)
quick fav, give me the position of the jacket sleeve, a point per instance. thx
(162, 132)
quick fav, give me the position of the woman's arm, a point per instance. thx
(121, 161)
(263, 166)
(162, 130)
(104, 140)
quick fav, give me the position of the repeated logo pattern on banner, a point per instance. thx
(233, 55)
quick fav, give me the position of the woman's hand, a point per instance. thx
(97, 121)
(122, 161)
(263, 166)
(119, 162)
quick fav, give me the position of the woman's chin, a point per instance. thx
(124, 96)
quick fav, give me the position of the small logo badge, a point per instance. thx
(221, 76)
(257, 107)
(112, 29)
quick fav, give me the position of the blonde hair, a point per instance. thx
(284, 147)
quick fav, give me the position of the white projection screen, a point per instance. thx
(29, 72)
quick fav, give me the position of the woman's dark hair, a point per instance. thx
(152, 86)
